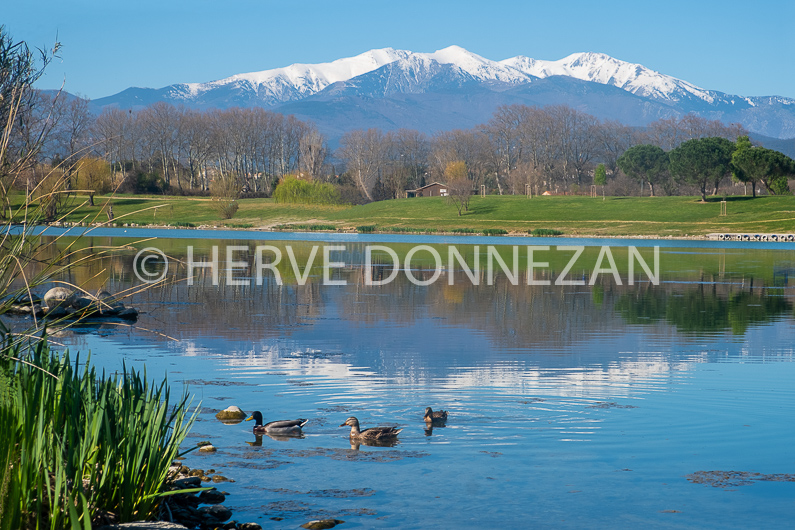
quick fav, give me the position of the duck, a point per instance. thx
(372, 434)
(440, 416)
(282, 427)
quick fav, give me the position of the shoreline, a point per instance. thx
(217, 232)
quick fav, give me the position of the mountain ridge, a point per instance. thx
(382, 74)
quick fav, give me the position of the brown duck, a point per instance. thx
(440, 416)
(372, 434)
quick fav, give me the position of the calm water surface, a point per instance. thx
(570, 406)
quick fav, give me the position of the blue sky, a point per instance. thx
(736, 47)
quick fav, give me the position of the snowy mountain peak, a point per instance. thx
(383, 73)
(297, 81)
(604, 69)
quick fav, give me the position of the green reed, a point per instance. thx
(85, 446)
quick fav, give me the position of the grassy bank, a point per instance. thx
(614, 216)
(78, 449)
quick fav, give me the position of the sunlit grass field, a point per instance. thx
(572, 215)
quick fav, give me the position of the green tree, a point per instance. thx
(701, 162)
(757, 164)
(645, 162)
(306, 191)
(742, 164)
(93, 176)
(600, 177)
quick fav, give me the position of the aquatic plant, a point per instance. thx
(545, 232)
(87, 448)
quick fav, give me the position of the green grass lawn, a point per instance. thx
(573, 215)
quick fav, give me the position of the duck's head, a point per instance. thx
(256, 416)
(428, 412)
(351, 422)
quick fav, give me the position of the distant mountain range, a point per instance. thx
(454, 88)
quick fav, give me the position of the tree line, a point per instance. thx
(163, 148)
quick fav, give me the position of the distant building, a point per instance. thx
(435, 189)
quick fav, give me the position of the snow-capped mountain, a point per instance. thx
(606, 70)
(381, 74)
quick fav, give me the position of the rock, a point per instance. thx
(28, 299)
(231, 414)
(55, 312)
(57, 296)
(249, 526)
(129, 313)
(188, 499)
(196, 472)
(141, 525)
(219, 478)
(82, 302)
(321, 524)
(190, 482)
(211, 497)
(109, 305)
(215, 513)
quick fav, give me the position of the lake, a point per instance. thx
(594, 397)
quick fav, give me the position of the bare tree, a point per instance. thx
(472, 147)
(578, 140)
(313, 151)
(196, 146)
(71, 135)
(160, 122)
(113, 130)
(671, 132)
(363, 152)
(459, 187)
(615, 138)
(19, 70)
(505, 133)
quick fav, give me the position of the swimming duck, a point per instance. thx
(283, 427)
(440, 416)
(371, 434)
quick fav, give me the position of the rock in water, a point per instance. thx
(141, 525)
(321, 524)
(212, 497)
(57, 296)
(215, 513)
(230, 414)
